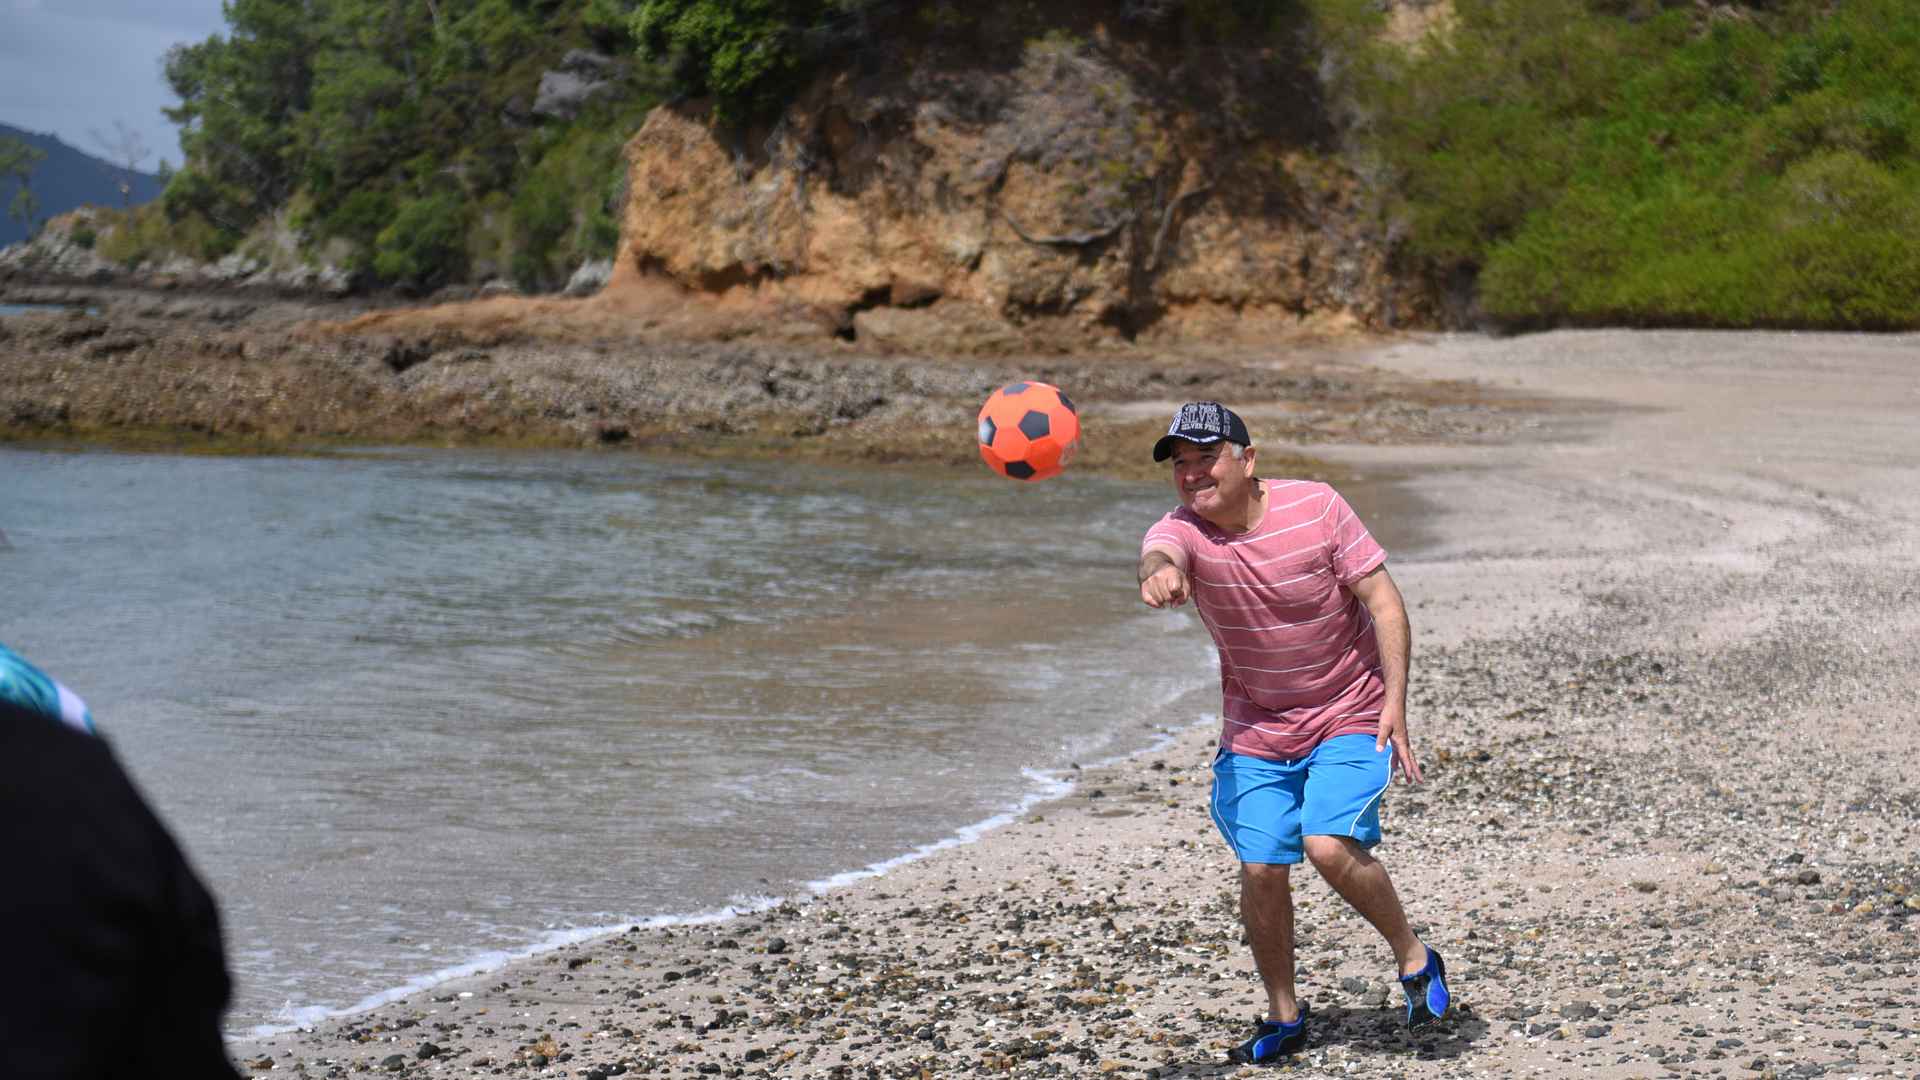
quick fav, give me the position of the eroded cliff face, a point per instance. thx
(1090, 184)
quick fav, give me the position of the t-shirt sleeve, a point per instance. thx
(1166, 533)
(1354, 551)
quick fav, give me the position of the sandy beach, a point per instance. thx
(1665, 658)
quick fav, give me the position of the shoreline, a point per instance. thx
(217, 374)
(1663, 672)
(1050, 787)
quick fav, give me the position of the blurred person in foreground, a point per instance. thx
(1314, 644)
(116, 967)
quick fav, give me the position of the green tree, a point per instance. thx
(425, 246)
(17, 162)
(239, 97)
(348, 112)
(565, 207)
(751, 55)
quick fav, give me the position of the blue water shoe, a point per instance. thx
(1272, 1042)
(1426, 991)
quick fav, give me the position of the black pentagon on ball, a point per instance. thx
(1013, 388)
(1067, 402)
(987, 431)
(1019, 470)
(1035, 425)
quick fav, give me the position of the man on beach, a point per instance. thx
(1314, 645)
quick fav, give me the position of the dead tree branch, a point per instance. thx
(1166, 222)
(1071, 239)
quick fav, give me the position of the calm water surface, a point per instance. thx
(412, 711)
(40, 309)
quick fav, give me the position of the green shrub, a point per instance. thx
(609, 23)
(1603, 256)
(425, 246)
(191, 219)
(542, 214)
(1846, 226)
(750, 55)
(359, 217)
(1606, 162)
(566, 208)
(154, 231)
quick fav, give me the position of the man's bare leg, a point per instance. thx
(1266, 909)
(1362, 881)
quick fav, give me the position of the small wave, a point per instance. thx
(1048, 787)
(1045, 786)
(295, 1018)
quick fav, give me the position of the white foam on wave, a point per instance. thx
(1047, 786)
(1044, 786)
(296, 1017)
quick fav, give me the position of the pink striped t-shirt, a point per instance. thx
(1298, 659)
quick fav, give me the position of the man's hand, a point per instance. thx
(1163, 583)
(1166, 588)
(1393, 729)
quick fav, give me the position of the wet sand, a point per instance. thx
(1664, 671)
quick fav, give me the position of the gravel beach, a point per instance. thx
(1665, 659)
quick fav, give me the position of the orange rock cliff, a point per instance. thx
(984, 193)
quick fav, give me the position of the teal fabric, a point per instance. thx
(34, 690)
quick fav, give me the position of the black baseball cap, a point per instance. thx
(1202, 422)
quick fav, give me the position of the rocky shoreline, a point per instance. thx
(1664, 670)
(224, 372)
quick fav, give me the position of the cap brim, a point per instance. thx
(1163, 449)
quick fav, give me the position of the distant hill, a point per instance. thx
(67, 178)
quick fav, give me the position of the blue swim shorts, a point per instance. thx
(1264, 807)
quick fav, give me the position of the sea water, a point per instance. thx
(414, 712)
(41, 309)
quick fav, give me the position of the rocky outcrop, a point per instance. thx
(271, 261)
(61, 251)
(589, 277)
(67, 250)
(581, 78)
(1083, 183)
(153, 368)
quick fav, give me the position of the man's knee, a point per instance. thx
(1265, 877)
(1332, 853)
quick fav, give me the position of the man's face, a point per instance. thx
(1209, 479)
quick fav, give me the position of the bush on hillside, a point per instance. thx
(357, 219)
(425, 246)
(1609, 162)
(750, 55)
(566, 210)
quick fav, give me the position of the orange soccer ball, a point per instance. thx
(1028, 430)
